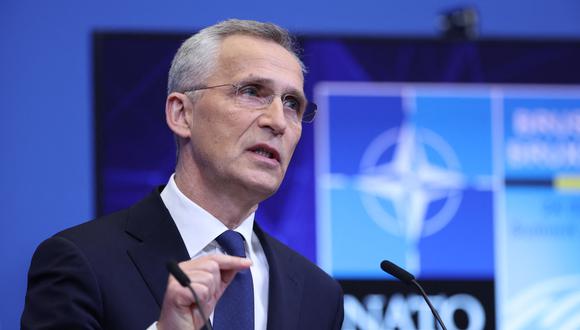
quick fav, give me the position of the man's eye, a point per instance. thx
(291, 102)
(249, 90)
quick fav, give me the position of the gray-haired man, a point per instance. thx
(236, 106)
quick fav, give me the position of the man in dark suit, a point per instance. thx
(235, 105)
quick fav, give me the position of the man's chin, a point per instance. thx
(266, 191)
(263, 188)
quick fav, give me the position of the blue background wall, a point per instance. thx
(46, 164)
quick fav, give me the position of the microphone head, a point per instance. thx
(179, 275)
(397, 272)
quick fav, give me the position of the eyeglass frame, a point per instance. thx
(309, 107)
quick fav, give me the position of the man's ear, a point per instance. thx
(177, 117)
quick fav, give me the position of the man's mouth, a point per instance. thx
(266, 151)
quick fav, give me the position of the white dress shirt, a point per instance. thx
(199, 229)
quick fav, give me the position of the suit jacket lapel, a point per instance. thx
(285, 286)
(150, 223)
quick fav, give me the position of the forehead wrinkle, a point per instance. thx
(232, 67)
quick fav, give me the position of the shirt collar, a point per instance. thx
(198, 227)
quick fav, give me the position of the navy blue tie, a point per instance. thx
(235, 309)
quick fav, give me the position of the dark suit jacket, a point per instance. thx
(110, 273)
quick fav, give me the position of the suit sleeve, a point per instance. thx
(62, 289)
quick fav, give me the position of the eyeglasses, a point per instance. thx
(256, 96)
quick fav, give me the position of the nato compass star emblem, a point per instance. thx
(411, 185)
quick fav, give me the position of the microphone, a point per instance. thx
(182, 278)
(408, 278)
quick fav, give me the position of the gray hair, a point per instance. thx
(196, 58)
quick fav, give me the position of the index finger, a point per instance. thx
(226, 262)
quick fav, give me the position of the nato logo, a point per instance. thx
(405, 173)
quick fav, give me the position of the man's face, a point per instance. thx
(235, 148)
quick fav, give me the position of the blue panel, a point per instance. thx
(463, 121)
(464, 248)
(362, 119)
(409, 179)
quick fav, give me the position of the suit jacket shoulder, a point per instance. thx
(106, 273)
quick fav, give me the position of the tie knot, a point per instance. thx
(233, 243)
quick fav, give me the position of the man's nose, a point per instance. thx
(274, 116)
